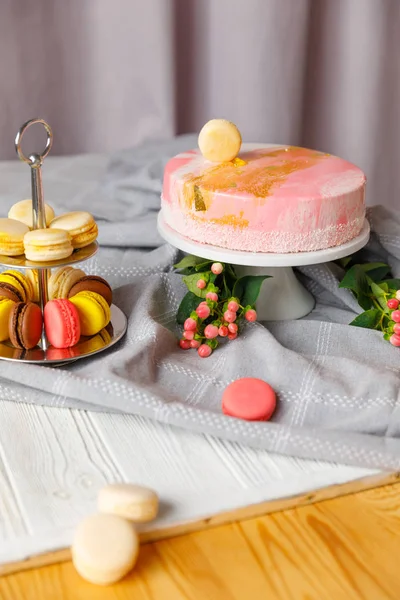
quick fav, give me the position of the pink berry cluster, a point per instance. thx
(213, 319)
(394, 329)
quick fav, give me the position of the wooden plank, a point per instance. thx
(55, 466)
(324, 550)
(244, 513)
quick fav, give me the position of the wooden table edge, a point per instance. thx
(223, 518)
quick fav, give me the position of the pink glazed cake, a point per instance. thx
(269, 199)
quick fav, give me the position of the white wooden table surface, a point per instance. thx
(53, 462)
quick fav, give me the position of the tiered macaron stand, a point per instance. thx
(44, 354)
(282, 297)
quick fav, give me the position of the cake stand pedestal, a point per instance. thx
(282, 296)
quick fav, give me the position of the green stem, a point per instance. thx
(376, 304)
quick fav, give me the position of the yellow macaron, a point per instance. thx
(12, 237)
(43, 245)
(5, 308)
(20, 282)
(80, 225)
(22, 211)
(33, 276)
(94, 312)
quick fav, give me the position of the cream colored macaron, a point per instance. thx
(105, 548)
(62, 280)
(219, 140)
(133, 502)
(42, 245)
(12, 234)
(33, 276)
(80, 225)
(22, 211)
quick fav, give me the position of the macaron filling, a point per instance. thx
(17, 320)
(11, 292)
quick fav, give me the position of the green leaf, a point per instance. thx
(376, 289)
(374, 265)
(355, 280)
(226, 292)
(376, 271)
(365, 301)
(247, 288)
(387, 336)
(187, 271)
(379, 294)
(369, 319)
(189, 303)
(393, 284)
(203, 266)
(384, 286)
(229, 269)
(229, 280)
(189, 261)
(343, 262)
(191, 283)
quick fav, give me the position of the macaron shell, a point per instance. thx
(42, 238)
(33, 276)
(54, 281)
(47, 245)
(61, 281)
(20, 281)
(84, 239)
(9, 291)
(10, 279)
(48, 254)
(61, 322)
(133, 502)
(93, 283)
(6, 307)
(105, 548)
(22, 211)
(81, 226)
(250, 399)
(75, 222)
(25, 325)
(11, 237)
(94, 312)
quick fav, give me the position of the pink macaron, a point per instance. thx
(61, 322)
(250, 399)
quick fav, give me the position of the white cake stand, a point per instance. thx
(282, 297)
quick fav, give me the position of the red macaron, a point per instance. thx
(61, 323)
(250, 399)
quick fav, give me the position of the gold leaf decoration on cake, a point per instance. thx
(198, 199)
(232, 220)
(242, 176)
(238, 162)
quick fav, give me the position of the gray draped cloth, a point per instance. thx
(338, 386)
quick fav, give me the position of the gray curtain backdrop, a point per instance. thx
(109, 75)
